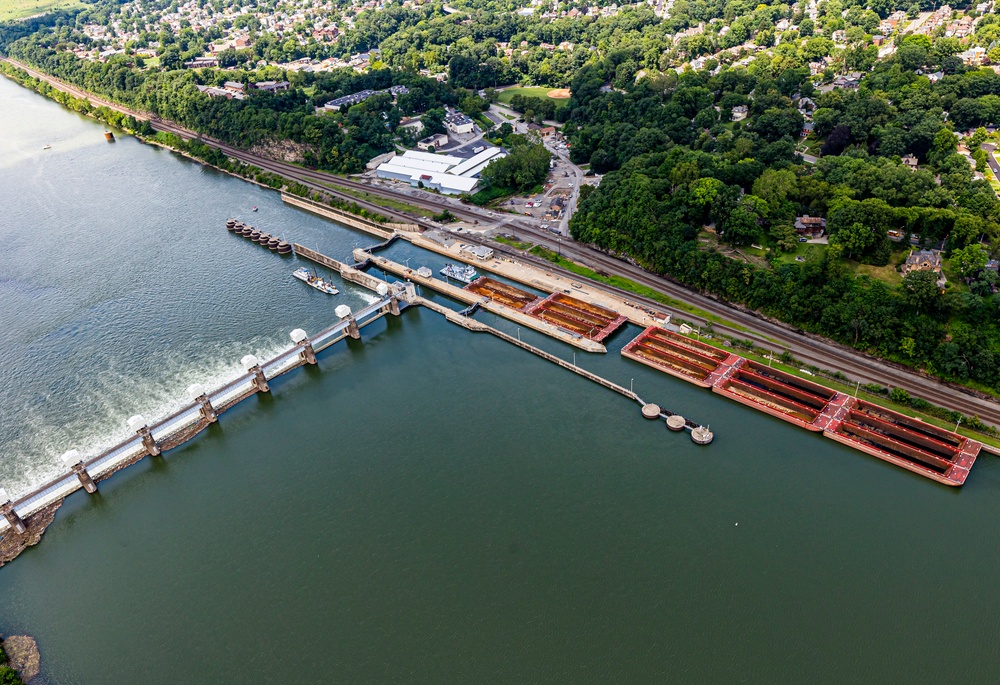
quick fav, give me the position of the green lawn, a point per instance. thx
(18, 9)
(806, 250)
(381, 201)
(538, 92)
(513, 243)
(886, 274)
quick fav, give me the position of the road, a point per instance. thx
(808, 348)
(991, 160)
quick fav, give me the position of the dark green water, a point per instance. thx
(429, 506)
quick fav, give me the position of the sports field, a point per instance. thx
(534, 92)
(19, 9)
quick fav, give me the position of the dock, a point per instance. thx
(428, 280)
(24, 518)
(536, 277)
(936, 453)
(461, 319)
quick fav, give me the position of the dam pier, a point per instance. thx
(24, 518)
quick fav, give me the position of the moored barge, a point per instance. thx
(935, 453)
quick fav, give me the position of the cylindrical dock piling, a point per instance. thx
(7, 509)
(73, 460)
(650, 411)
(675, 422)
(701, 435)
(251, 364)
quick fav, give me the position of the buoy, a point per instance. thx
(284, 248)
(231, 225)
(650, 411)
(254, 235)
(263, 238)
(273, 243)
(247, 230)
(701, 436)
(675, 422)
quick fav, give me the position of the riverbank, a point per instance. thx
(20, 661)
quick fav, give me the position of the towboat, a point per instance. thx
(460, 272)
(311, 279)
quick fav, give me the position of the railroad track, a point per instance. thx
(807, 348)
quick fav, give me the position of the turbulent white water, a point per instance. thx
(119, 285)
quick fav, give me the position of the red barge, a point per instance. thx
(564, 311)
(932, 452)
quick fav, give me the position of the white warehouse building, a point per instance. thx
(445, 173)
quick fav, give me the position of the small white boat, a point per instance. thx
(47, 147)
(255, 208)
(311, 279)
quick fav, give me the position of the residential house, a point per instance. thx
(910, 161)
(810, 226)
(925, 260)
(740, 112)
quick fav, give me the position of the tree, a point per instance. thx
(523, 169)
(838, 139)
(856, 239)
(740, 228)
(170, 58)
(969, 260)
(921, 291)
(433, 121)
(785, 237)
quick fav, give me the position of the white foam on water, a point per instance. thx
(96, 421)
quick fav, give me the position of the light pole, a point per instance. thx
(958, 424)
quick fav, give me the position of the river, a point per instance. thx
(429, 505)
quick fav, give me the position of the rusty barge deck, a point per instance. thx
(935, 453)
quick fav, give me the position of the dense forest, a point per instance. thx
(676, 164)
(685, 187)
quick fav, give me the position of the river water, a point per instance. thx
(429, 505)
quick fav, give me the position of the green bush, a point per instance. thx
(8, 676)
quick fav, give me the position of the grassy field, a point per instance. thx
(381, 201)
(19, 9)
(506, 95)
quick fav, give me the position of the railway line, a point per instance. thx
(806, 347)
